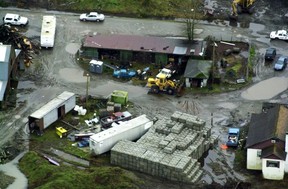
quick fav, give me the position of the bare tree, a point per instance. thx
(191, 10)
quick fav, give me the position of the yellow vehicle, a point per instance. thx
(162, 84)
(240, 6)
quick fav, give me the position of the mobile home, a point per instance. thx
(127, 130)
(48, 31)
(51, 112)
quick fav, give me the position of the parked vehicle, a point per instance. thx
(270, 53)
(15, 19)
(48, 31)
(280, 34)
(281, 63)
(106, 122)
(124, 73)
(233, 137)
(164, 85)
(92, 16)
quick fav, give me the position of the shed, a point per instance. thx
(197, 72)
(141, 48)
(127, 130)
(52, 111)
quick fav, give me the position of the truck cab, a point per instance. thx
(233, 137)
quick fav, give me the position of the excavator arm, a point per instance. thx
(239, 6)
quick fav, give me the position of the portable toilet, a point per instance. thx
(96, 66)
(120, 97)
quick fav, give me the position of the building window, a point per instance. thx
(273, 164)
(259, 153)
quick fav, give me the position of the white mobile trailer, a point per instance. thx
(128, 130)
(52, 111)
(48, 31)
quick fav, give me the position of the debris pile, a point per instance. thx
(11, 36)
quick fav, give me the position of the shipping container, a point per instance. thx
(128, 130)
(51, 112)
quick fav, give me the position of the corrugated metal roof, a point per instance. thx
(52, 105)
(3, 85)
(143, 44)
(267, 125)
(198, 69)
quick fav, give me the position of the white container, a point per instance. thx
(52, 111)
(128, 130)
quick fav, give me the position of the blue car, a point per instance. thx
(124, 73)
(281, 63)
(83, 143)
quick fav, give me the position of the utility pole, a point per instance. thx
(213, 62)
(87, 87)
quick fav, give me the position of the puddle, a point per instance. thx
(227, 105)
(72, 48)
(12, 170)
(73, 75)
(266, 89)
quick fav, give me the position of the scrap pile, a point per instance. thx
(11, 36)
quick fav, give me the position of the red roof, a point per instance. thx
(142, 44)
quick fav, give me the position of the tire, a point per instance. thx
(154, 89)
(97, 20)
(84, 20)
(170, 91)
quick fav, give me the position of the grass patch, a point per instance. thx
(42, 175)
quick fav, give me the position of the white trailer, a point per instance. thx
(48, 31)
(128, 130)
(52, 111)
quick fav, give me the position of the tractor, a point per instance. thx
(162, 84)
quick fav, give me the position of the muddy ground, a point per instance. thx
(55, 70)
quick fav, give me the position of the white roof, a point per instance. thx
(121, 128)
(97, 62)
(48, 26)
(52, 105)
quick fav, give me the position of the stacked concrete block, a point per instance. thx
(177, 128)
(170, 149)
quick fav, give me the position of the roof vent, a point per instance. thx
(142, 48)
(165, 48)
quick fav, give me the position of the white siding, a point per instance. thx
(273, 173)
(49, 112)
(286, 164)
(253, 162)
(49, 118)
(286, 143)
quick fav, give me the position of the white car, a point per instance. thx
(92, 16)
(15, 19)
(280, 34)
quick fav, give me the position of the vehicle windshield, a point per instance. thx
(280, 61)
(269, 51)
